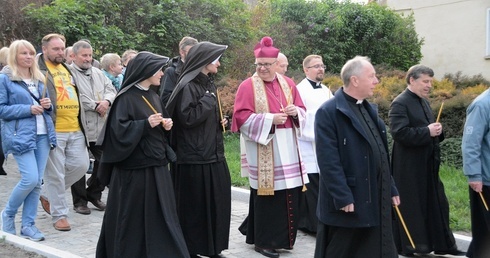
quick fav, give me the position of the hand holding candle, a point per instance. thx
(155, 111)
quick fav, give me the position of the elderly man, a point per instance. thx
(282, 64)
(269, 114)
(313, 93)
(356, 188)
(69, 161)
(96, 96)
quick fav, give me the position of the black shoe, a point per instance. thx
(267, 252)
(82, 209)
(2, 172)
(454, 252)
(99, 204)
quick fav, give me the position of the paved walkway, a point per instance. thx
(81, 241)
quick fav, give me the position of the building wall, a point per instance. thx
(455, 34)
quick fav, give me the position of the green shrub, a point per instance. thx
(443, 89)
(453, 114)
(463, 81)
(451, 152)
(474, 91)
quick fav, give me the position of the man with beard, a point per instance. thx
(356, 188)
(269, 114)
(96, 95)
(313, 93)
(69, 161)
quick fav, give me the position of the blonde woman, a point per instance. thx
(112, 67)
(27, 133)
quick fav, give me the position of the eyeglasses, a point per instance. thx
(265, 65)
(318, 66)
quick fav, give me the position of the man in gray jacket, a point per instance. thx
(96, 95)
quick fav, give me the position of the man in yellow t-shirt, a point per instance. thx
(69, 161)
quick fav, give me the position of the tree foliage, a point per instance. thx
(339, 31)
(334, 29)
(13, 22)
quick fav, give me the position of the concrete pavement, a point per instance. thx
(81, 241)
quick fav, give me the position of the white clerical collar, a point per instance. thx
(359, 101)
(139, 86)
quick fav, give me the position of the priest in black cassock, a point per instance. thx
(141, 218)
(416, 158)
(202, 178)
(356, 188)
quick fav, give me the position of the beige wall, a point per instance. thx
(454, 32)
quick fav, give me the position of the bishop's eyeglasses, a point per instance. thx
(265, 65)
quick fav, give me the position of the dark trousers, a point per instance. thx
(93, 192)
(480, 225)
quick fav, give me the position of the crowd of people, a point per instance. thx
(316, 161)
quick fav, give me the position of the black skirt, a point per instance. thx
(308, 221)
(272, 221)
(203, 194)
(141, 219)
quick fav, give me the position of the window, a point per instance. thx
(487, 52)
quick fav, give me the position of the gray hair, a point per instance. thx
(187, 41)
(417, 70)
(126, 54)
(353, 67)
(79, 45)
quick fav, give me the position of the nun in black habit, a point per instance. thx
(202, 178)
(141, 218)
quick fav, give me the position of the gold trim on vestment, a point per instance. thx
(265, 153)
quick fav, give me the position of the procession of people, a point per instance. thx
(316, 160)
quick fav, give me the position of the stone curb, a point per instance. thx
(238, 194)
(36, 247)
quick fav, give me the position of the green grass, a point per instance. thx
(232, 152)
(455, 184)
(456, 187)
